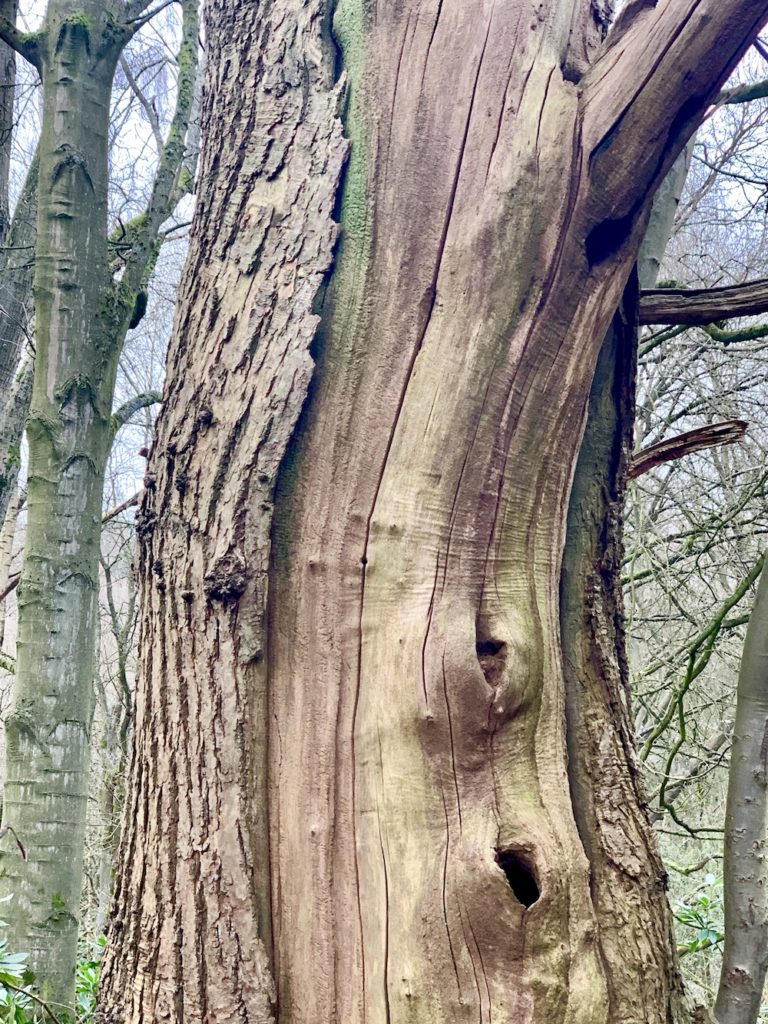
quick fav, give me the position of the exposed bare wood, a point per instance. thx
(694, 306)
(673, 448)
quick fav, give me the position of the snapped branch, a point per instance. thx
(641, 104)
(673, 448)
(137, 15)
(700, 306)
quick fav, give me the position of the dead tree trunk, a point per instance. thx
(352, 738)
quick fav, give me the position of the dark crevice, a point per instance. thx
(492, 655)
(520, 876)
(489, 648)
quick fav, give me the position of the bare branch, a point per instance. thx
(13, 582)
(170, 181)
(677, 447)
(139, 16)
(641, 103)
(113, 513)
(147, 107)
(699, 306)
(131, 407)
(24, 43)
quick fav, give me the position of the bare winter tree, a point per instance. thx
(383, 766)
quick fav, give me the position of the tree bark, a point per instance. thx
(47, 728)
(745, 955)
(369, 784)
(83, 314)
(263, 241)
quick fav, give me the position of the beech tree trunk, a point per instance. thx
(82, 315)
(46, 785)
(362, 672)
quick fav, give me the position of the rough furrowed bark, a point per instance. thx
(190, 936)
(388, 750)
(627, 877)
(69, 433)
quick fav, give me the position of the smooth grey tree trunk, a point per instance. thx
(82, 315)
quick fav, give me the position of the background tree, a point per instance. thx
(696, 525)
(89, 290)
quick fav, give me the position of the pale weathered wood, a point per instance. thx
(673, 448)
(703, 305)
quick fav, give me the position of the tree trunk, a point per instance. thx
(82, 317)
(352, 742)
(745, 956)
(8, 9)
(69, 432)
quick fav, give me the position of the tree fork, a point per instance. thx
(392, 736)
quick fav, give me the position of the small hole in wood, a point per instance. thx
(522, 880)
(489, 648)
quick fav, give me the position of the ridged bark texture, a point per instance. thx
(609, 803)
(369, 792)
(191, 928)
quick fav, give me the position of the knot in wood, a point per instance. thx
(226, 579)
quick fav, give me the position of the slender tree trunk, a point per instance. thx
(352, 742)
(7, 538)
(69, 433)
(16, 275)
(14, 408)
(745, 956)
(8, 9)
(82, 317)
